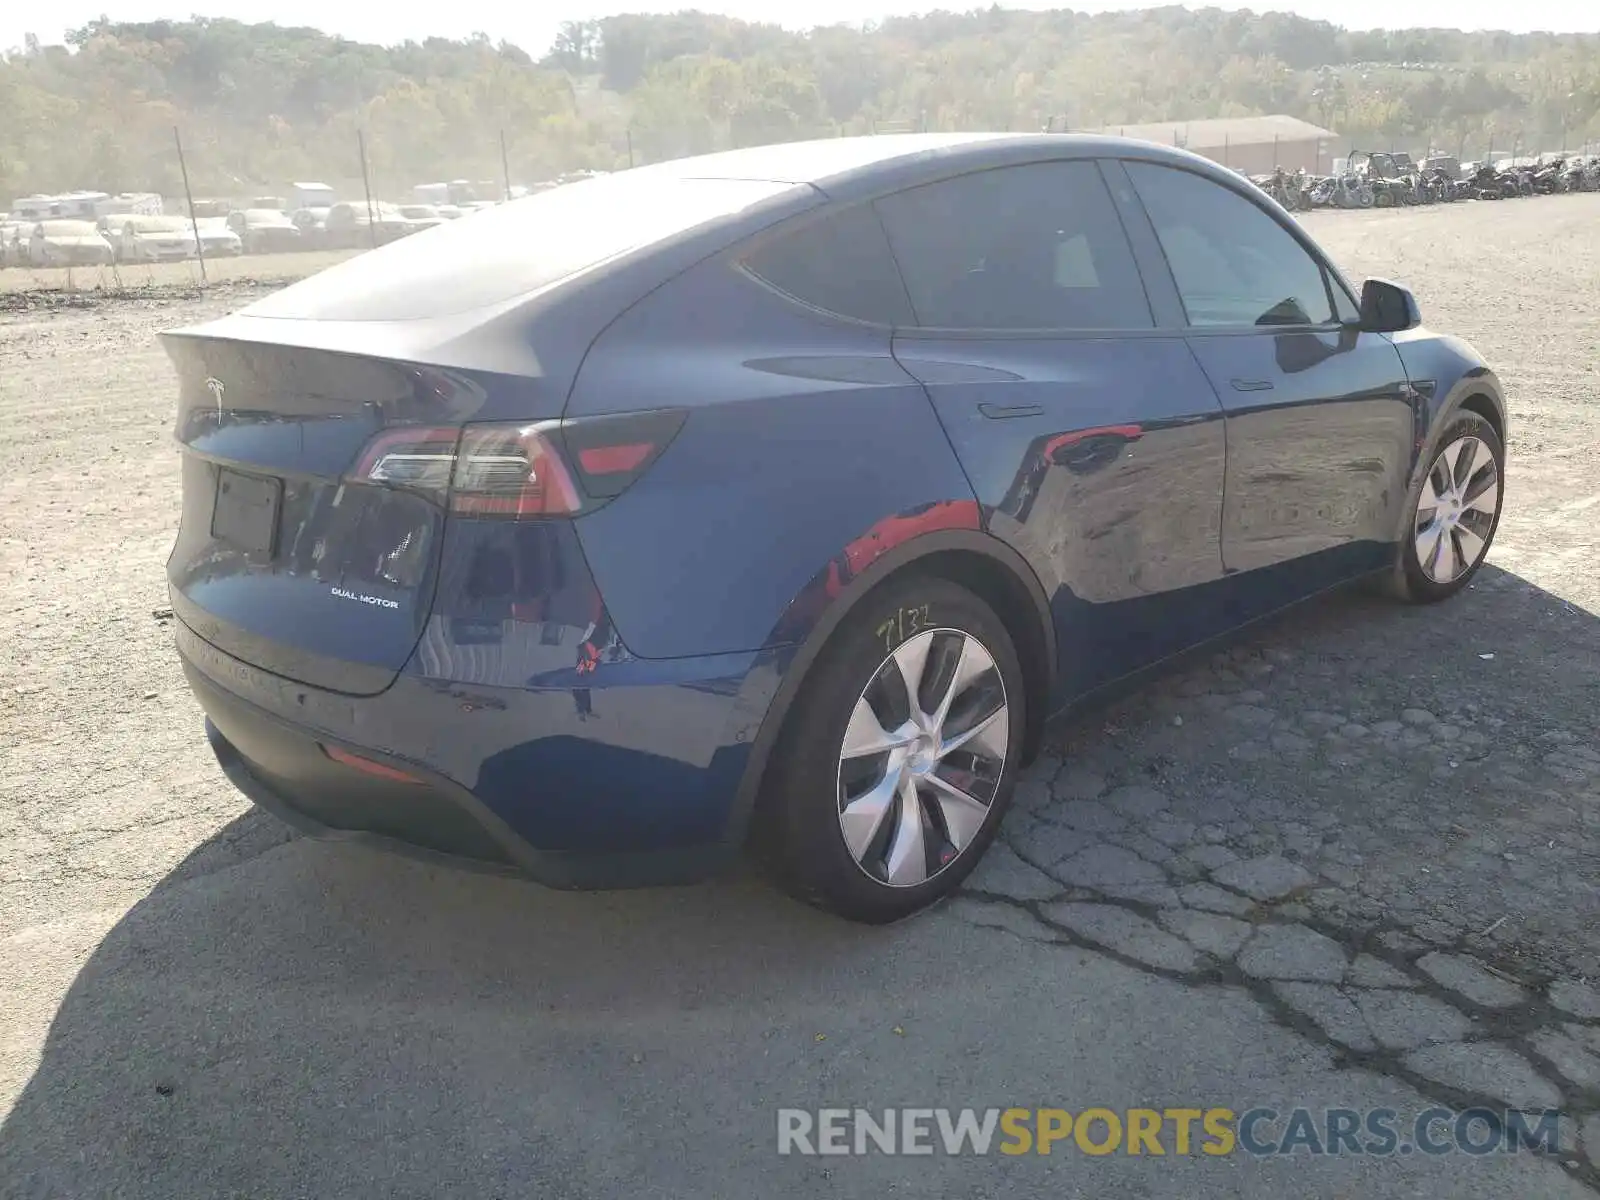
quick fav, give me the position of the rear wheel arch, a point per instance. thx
(1026, 616)
(977, 561)
(1479, 402)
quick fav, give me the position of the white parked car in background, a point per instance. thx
(67, 244)
(156, 239)
(217, 239)
(263, 230)
(423, 216)
(359, 225)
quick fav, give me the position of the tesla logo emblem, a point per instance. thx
(214, 386)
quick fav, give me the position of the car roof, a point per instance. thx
(359, 306)
(840, 166)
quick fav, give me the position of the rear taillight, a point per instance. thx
(521, 470)
(410, 456)
(513, 471)
(610, 453)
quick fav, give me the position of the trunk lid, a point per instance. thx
(282, 559)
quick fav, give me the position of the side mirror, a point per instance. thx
(1388, 308)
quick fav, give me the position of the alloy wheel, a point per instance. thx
(922, 757)
(1456, 510)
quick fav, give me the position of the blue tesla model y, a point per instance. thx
(776, 498)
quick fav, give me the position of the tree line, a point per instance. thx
(261, 105)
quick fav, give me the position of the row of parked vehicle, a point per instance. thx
(1380, 180)
(353, 225)
(140, 238)
(61, 242)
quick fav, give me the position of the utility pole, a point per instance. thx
(366, 183)
(194, 221)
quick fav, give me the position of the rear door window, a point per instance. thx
(1032, 247)
(840, 264)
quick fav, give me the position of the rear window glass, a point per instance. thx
(840, 264)
(514, 249)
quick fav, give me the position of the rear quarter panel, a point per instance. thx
(804, 436)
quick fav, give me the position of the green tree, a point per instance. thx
(263, 105)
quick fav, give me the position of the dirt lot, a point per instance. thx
(1354, 860)
(166, 275)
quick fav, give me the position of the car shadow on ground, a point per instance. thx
(274, 997)
(1437, 767)
(247, 972)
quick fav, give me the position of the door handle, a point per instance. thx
(1251, 385)
(1000, 412)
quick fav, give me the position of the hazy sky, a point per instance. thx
(532, 26)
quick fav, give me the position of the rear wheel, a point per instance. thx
(899, 758)
(1455, 511)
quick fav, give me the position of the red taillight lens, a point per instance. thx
(513, 471)
(521, 470)
(612, 452)
(614, 460)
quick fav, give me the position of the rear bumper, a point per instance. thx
(502, 783)
(434, 821)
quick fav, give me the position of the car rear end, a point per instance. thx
(273, 236)
(172, 249)
(216, 239)
(382, 603)
(71, 244)
(151, 239)
(303, 575)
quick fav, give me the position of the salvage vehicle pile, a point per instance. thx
(1383, 180)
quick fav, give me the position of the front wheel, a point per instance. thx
(1455, 511)
(898, 760)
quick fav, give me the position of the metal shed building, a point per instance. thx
(1253, 145)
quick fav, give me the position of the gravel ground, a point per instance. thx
(1352, 860)
(16, 281)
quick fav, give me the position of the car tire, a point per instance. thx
(1464, 490)
(876, 835)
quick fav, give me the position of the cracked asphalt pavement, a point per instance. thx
(1348, 862)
